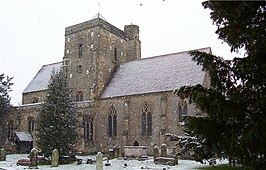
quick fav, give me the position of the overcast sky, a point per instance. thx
(32, 31)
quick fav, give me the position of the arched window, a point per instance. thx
(182, 109)
(136, 143)
(79, 96)
(34, 100)
(79, 69)
(80, 50)
(115, 54)
(146, 120)
(112, 121)
(88, 130)
(31, 124)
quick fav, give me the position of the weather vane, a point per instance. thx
(99, 7)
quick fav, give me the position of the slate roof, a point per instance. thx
(24, 136)
(41, 80)
(155, 74)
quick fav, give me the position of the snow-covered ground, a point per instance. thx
(116, 164)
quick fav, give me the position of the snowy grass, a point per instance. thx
(10, 164)
(220, 167)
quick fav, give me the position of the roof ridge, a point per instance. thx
(164, 55)
(178, 52)
(52, 63)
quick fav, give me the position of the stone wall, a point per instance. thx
(165, 119)
(28, 98)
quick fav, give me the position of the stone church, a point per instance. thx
(122, 99)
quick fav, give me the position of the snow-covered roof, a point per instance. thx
(155, 74)
(41, 80)
(24, 136)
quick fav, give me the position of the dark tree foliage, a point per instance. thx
(5, 106)
(56, 128)
(5, 88)
(235, 102)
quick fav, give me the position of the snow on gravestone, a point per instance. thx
(99, 161)
(155, 152)
(55, 158)
(33, 158)
(163, 150)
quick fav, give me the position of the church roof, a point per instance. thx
(23, 136)
(155, 74)
(41, 80)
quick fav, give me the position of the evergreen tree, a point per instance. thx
(235, 101)
(5, 106)
(56, 128)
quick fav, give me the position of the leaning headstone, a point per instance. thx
(33, 158)
(163, 150)
(2, 154)
(55, 158)
(155, 152)
(99, 161)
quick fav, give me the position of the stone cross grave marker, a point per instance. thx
(33, 158)
(99, 161)
(55, 158)
(163, 150)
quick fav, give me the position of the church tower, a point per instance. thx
(93, 50)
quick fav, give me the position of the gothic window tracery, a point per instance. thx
(112, 121)
(88, 130)
(31, 124)
(34, 100)
(79, 96)
(146, 120)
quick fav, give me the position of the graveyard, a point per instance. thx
(135, 159)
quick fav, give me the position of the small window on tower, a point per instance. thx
(115, 54)
(79, 69)
(80, 50)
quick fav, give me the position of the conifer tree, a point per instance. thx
(56, 128)
(235, 124)
(5, 106)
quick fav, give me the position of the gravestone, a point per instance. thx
(33, 158)
(163, 150)
(115, 150)
(119, 151)
(2, 154)
(155, 152)
(99, 161)
(55, 158)
(176, 159)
